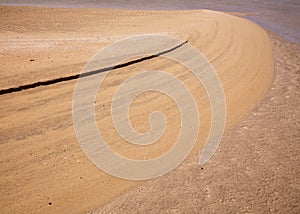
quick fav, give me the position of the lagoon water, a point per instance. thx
(280, 16)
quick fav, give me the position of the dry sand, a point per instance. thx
(42, 165)
(256, 168)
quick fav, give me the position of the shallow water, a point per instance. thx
(280, 16)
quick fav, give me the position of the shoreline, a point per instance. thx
(54, 99)
(265, 14)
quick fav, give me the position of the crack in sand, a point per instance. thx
(90, 73)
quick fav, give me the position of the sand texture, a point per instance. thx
(256, 168)
(43, 168)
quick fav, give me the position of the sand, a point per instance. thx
(256, 167)
(43, 168)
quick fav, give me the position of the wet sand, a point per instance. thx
(47, 170)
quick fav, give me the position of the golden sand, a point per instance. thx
(42, 165)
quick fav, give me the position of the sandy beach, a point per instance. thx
(43, 168)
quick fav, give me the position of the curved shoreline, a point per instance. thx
(47, 163)
(277, 16)
(256, 167)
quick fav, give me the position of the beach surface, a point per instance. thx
(256, 167)
(281, 17)
(43, 168)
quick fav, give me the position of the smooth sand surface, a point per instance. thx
(256, 168)
(281, 17)
(43, 168)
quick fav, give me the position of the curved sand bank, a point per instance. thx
(41, 161)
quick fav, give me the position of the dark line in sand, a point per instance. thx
(90, 73)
